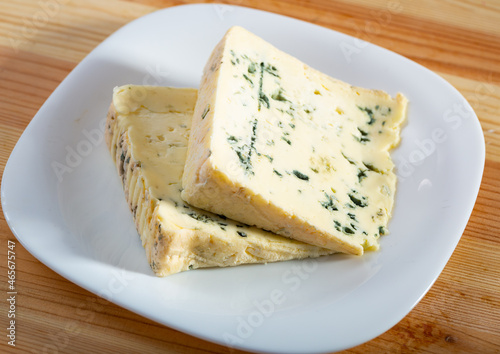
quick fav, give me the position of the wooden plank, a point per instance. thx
(65, 30)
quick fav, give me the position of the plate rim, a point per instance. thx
(8, 217)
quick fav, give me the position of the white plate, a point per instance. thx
(63, 200)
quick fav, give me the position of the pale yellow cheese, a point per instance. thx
(147, 133)
(287, 148)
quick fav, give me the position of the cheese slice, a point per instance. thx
(147, 134)
(287, 148)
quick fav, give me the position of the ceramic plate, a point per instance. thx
(63, 200)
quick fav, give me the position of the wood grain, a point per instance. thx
(42, 41)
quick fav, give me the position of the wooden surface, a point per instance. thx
(42, 41)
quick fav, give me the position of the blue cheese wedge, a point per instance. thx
(147, 134)
(289, 149)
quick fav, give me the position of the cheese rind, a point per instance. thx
(284, 147)
(147, 134)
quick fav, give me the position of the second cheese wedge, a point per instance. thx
(284, 147)
(147, 134)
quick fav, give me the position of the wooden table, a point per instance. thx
(42, 41)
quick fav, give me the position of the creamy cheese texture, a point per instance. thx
(289, 149)
(147, 133)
